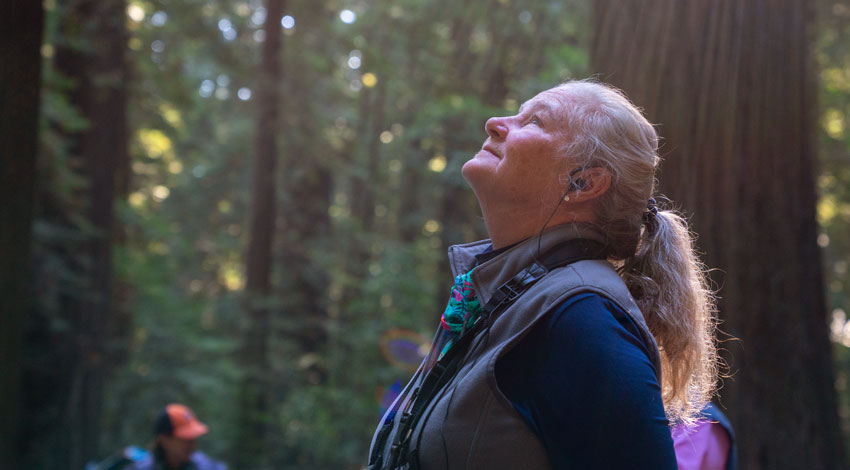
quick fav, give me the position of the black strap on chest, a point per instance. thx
(445, 369)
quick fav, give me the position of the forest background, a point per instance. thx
(244, 206)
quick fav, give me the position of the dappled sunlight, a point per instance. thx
(194, 205)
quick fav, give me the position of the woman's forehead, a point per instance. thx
(552, 100)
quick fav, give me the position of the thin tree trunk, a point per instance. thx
(251, 443)
(363, 191)
(308, 227)
(105, 149)
(730, 83)
(20, 80)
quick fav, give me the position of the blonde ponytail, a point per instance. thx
(669, 283)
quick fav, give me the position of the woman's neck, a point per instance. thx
(508, 227)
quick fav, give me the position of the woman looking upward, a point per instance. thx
(582, 325)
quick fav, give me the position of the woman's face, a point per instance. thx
(522, 158)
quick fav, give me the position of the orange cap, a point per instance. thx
(183, 422)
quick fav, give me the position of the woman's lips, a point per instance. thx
(490, 150)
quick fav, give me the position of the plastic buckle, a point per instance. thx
(510, 292)
(535, 272)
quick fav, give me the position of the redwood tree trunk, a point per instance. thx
(104, 148)
(254, 403)
(20, 80)
(731, 85)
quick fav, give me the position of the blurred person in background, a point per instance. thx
(176, 431)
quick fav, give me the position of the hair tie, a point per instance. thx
(651, 212)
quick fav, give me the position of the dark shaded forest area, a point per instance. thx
(244, 206)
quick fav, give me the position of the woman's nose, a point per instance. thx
(496, 128)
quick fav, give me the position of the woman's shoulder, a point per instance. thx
(588, 312)
(597, 329)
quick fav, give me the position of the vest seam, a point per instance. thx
(478, 430)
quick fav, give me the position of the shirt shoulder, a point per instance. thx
(583, 381)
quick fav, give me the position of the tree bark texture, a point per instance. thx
(20, 80)
(730, 84)
(254, 404)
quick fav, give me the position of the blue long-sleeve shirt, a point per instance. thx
(583, 381)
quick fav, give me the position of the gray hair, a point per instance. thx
(655, 257)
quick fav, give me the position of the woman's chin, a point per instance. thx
(482, 164)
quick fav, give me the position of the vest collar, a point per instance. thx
(488, 276)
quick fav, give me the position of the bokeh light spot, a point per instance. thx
(347, 16)
(206, 89)
(137, 199)
(136, 12)
(432, 226)
(288, 22)
(259, 16)
(437, 164)
(155, 143)
(160, 192)
(159, 18)
(833, 123)
(231, 277)
(369, 80)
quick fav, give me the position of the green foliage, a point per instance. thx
(378, 116)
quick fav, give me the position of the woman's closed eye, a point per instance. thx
(534, 119)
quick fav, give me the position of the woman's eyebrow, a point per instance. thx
(537, 105)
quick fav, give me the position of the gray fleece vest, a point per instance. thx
(470, 424)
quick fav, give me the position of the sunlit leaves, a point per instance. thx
(833, 123)
(155, 143)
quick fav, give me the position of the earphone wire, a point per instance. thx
(570, 187)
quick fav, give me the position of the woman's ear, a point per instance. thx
(589, 184)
